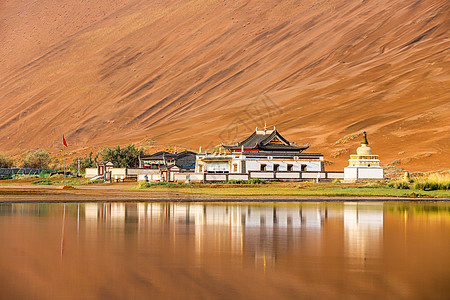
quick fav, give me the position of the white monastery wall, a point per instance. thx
(313, 175)
(216, 177)
(237, 177)
(91, 172)
(262, 175)
(370, 173)
(290, 175)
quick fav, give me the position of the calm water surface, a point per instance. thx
(227, 250)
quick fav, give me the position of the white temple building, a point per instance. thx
(363, 165)
(263, 151)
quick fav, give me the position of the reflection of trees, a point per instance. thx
(41, 209)
(439, 208)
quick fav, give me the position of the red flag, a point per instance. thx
(64, 141)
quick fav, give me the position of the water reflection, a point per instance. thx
(263, 231)
(363, 230)
(317, 243)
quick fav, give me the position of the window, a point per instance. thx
(276, 167)
(235, 168)
(263, 167)
(303, 168)
(290, 167)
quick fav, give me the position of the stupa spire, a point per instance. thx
(364, 140)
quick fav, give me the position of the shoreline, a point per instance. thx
(110, 194)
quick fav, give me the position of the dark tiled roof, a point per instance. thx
(159, 155)
(185, 158)
(179, 159)
(260, 140)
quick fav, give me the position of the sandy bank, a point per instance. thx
(52, 194)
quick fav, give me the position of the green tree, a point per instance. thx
(39, 159)
(85, 162)
(126, 157)
(5, 161)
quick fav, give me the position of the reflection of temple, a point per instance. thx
(263, 231)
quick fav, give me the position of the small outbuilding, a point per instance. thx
(104, 166)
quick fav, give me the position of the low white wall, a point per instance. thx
(262, 175)
(150, 177)
(215, 177)
(370, 173)
(334, 175)
(118, 172)
(350, 173)
(136, 171)
(193, 177)
(179, 177)
(91, 172)
(313, 175)
(293, 175)
(237, 177)
(196, 177)
(363, 173)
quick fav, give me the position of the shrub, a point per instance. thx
(126, 157)
(143, 185)
(39, 159)
(5, 161)
(85, 162)
(43, 182)
(433, 182)
(400, 184)
(240, 181)
(256, 181)
(68, 182)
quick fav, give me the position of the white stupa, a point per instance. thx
(363, 165)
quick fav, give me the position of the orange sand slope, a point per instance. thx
(196, 73)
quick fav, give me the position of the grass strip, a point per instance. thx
(319, 190)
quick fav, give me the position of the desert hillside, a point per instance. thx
(198, 73)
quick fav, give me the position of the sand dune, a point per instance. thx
(197, 73)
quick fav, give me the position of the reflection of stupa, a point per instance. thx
(363, 165)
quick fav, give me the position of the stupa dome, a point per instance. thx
(364, 150)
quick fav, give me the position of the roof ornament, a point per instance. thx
(242, 148)
(200, 149)
(265, 126)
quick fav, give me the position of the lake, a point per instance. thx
(225, 251)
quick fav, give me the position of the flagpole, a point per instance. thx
(64, 160)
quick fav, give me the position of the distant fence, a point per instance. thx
(11, 172)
